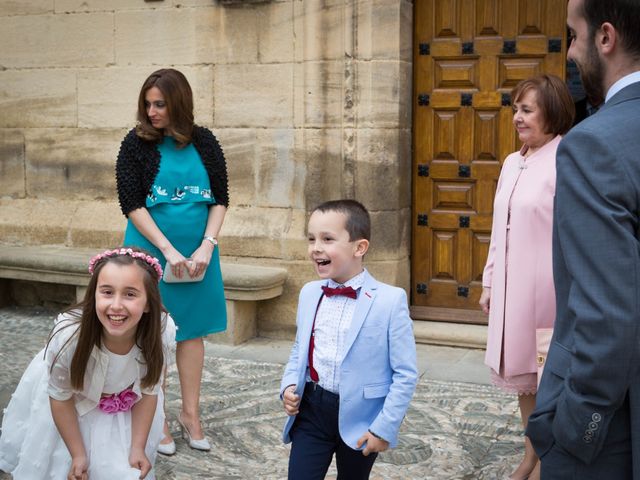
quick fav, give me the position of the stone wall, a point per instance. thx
(311, 100)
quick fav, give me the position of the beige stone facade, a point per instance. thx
(310, 99)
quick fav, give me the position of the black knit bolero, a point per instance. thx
(139, 161)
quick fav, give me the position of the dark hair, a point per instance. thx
(89, 333)
(553, 99)
(179, 100)
(358, 222)
(624, 15)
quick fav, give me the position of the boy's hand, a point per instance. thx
(290, 400)
(373, 443)
(79, 469)
(138, 459)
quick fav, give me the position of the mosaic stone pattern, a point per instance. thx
(453, 430)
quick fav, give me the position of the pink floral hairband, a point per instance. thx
(152, 261)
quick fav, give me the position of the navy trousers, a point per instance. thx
(315, 438)
(613, 462)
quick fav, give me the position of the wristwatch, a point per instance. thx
(213, 240)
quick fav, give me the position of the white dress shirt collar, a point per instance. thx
(354, 282)
(623, 82)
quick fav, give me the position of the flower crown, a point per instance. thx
(152, 261)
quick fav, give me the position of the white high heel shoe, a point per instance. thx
(167, 448)
(202, 444)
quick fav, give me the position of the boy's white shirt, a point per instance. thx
(331, 327)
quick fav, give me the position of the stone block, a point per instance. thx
(406, 31)
(280, 168)
(239, 146)
(21, 7)
(253, 231)
(393, 272)
(40, 41)
(241, 323)
(108, 97)
(193, 3)
(266, 168)
(277, 318)
(72, 163)
(183, 36)
(319, 29)
(36, 222)
(50, 295)
(293, 246)
(319, 94)
(325, 174)
(383, 168)
(12, 168)
(74, 6)
(385, 30)
(97, 224)
(37, 98)
(384, 90)
(91, 224)
(275, 32)
(390, 235)
(253, 95)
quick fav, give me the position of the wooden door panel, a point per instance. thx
(458, 73)
(469, 54)
(487, 18)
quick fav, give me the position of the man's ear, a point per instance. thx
(606, 38)
(362, 246)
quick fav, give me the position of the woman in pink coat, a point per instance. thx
(518, 292)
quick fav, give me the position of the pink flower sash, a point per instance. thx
(118, 402)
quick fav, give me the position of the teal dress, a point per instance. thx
(179, 203)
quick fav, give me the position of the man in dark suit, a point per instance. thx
(587, 419)
(584, 108)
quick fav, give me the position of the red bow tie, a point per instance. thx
(345, 291)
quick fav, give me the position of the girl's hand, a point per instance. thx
(79, 469)
(138, 459)
(175, 261)
(485, 299)
(200, 258)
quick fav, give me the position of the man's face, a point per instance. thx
(583, 51)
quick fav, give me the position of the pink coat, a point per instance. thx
(521, 277)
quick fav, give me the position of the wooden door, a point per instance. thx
(468, 55)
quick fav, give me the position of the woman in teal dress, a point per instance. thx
(172, 186)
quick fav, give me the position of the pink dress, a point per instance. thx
(519, 269)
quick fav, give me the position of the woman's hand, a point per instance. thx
(138, 459)
(79, 469)
(176, 261)
(485, 299)
(200, 258)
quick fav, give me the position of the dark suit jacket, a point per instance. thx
(594, 357)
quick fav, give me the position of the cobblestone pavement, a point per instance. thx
(453, 430)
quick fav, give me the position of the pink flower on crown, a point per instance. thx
(118, 402)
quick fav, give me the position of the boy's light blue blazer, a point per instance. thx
(378, 374)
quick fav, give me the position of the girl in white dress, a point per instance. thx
(89, 405)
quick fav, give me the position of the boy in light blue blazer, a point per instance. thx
(352, 369)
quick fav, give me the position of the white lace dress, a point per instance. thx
(31, 447)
